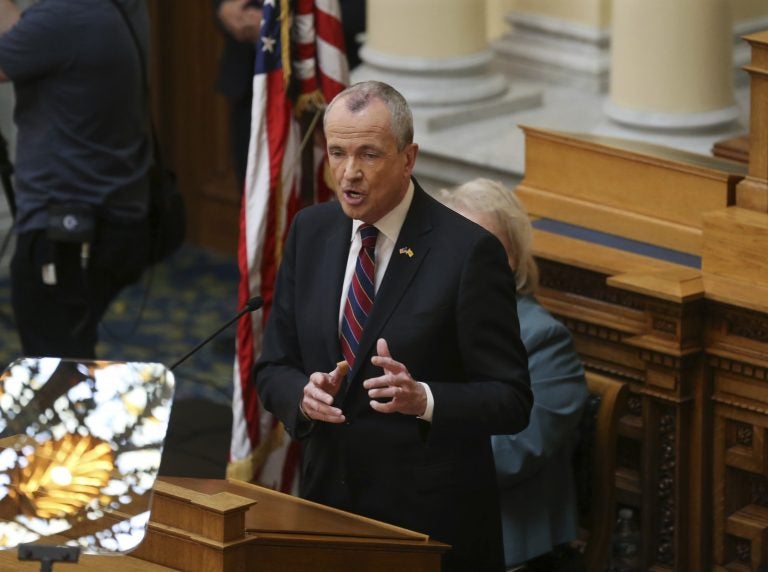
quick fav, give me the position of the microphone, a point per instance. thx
(250, 306)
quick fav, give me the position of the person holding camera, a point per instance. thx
(81, 165)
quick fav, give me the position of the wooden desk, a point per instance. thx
(214, 525)
(681, 316)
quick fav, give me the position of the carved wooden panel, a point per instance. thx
(738, 343)
(693, 450)
(741, 488)
(655, 346)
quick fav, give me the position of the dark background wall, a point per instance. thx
(192, 118)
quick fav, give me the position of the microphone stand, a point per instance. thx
(250, 306)
(6, 170)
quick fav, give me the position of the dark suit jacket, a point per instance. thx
(449, 314)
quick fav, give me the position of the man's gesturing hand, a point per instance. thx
(407, 396)
(317, 401)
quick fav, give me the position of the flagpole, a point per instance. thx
(306, 159)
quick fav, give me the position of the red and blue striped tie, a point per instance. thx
(360, 294)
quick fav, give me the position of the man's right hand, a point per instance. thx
(317, 401)
(241, 20)
(9, 15)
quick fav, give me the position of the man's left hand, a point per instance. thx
(406, 395)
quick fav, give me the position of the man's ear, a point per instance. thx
(410, 153)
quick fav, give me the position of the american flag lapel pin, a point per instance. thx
(407, 250)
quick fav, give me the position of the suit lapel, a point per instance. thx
(334, 260)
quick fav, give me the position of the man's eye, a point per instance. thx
(369, 155)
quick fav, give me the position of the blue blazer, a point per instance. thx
(448, 312)
(533, 468)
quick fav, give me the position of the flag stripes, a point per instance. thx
(312, 55)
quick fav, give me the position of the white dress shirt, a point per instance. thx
(389, 229)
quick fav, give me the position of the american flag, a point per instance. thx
(300, 65)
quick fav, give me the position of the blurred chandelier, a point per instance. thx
(62, 476)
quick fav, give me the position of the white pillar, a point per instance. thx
(434, 52)
(671, 64)
(561, 41)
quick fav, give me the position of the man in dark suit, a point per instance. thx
(403, 436)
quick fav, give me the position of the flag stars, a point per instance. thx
(268, 44)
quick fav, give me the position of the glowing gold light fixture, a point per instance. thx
(80, 448)
(60, 477)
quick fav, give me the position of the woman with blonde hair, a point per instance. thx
(533, 468)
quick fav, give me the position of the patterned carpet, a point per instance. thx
(190, 296)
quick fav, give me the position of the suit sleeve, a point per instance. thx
(497, 399)
(559, 389)
(279, 375)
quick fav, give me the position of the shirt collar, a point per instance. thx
(390, 224)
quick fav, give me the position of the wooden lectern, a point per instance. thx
(210, 525)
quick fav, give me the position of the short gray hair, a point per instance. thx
(484, 196)
(358, 96)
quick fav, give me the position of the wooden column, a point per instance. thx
(749, 17)
(752, 192)
(736, 282)
(735, 240)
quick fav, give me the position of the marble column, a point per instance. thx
(436, 55)
(671, 64)
(561, 41)
(496, 25)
